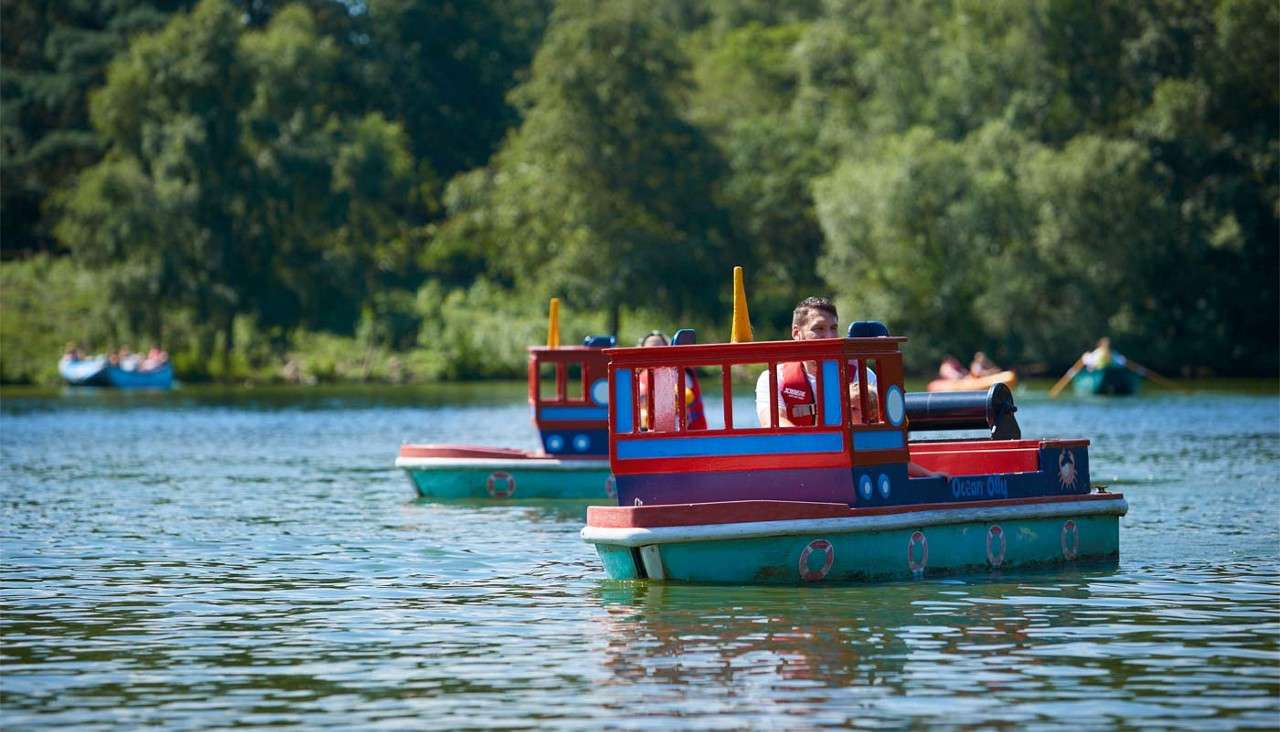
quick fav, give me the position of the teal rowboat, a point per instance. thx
(1111, 380)
(462, 472)
(786, 542)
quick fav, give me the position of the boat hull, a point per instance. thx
(974, 383)
(98, 372)
(474, 473)
(158, 378)
(1109, 381)
(865, 546)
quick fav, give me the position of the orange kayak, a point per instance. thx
(974, 383)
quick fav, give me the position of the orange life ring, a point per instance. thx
(508, 487)
(918, 538)
(828, 551)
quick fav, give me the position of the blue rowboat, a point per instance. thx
(784, 542)
(100, 372)
(456, 472)
(1111, 380)
(84, 371)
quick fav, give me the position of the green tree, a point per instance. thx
(230, 184)
(51, 55)
(747, 80)
(606, 194)
(444, 71)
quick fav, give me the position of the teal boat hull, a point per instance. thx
(1109, 381)
(509, 478)
(916, 544)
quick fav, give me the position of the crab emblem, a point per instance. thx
(1067, 469)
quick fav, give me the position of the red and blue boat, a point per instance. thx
(568, 399)
(743, 503)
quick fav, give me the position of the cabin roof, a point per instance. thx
(711, 353)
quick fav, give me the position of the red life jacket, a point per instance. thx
(798, 397)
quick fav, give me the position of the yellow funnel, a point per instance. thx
(741, 332)
(553, 324)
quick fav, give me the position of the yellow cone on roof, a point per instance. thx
(553, 324)
(741, 332)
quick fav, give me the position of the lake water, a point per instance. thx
(207, 559)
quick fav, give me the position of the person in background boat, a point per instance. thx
(154, 360)
(816, 317)
(127, 359)
(72, 352)
(982, 366)
(952, 369)
(695, 414)
(1102, 356)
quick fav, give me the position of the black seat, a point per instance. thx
(868, 329)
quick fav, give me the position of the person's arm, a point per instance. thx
(916, 470)
(873, 402)
(762, 403)
(762, 399)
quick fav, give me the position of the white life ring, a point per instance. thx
(996, 545)
(828, 551)
(501, 484)
(1070, 540)
(918, 538)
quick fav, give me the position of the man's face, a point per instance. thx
(816, 324)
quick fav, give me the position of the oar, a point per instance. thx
(1066, 378)
(1147, 373)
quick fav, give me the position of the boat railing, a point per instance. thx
(650, 431)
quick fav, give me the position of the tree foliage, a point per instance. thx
(606, 192)
(250, 175)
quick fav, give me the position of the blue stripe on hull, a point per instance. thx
(728, 445)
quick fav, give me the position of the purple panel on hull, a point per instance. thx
(834, 485)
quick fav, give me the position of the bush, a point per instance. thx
(45, 302)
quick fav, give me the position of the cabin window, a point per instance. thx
(758, 383)
(575, 390)
(547, 390)
(822, 407)
(865, 401)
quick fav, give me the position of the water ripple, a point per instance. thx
(208, 560)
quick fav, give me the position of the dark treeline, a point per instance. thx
(392, 188)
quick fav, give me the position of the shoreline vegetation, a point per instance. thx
(326, 191)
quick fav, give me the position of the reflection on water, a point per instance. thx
(1097, 647)
(200, 560)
